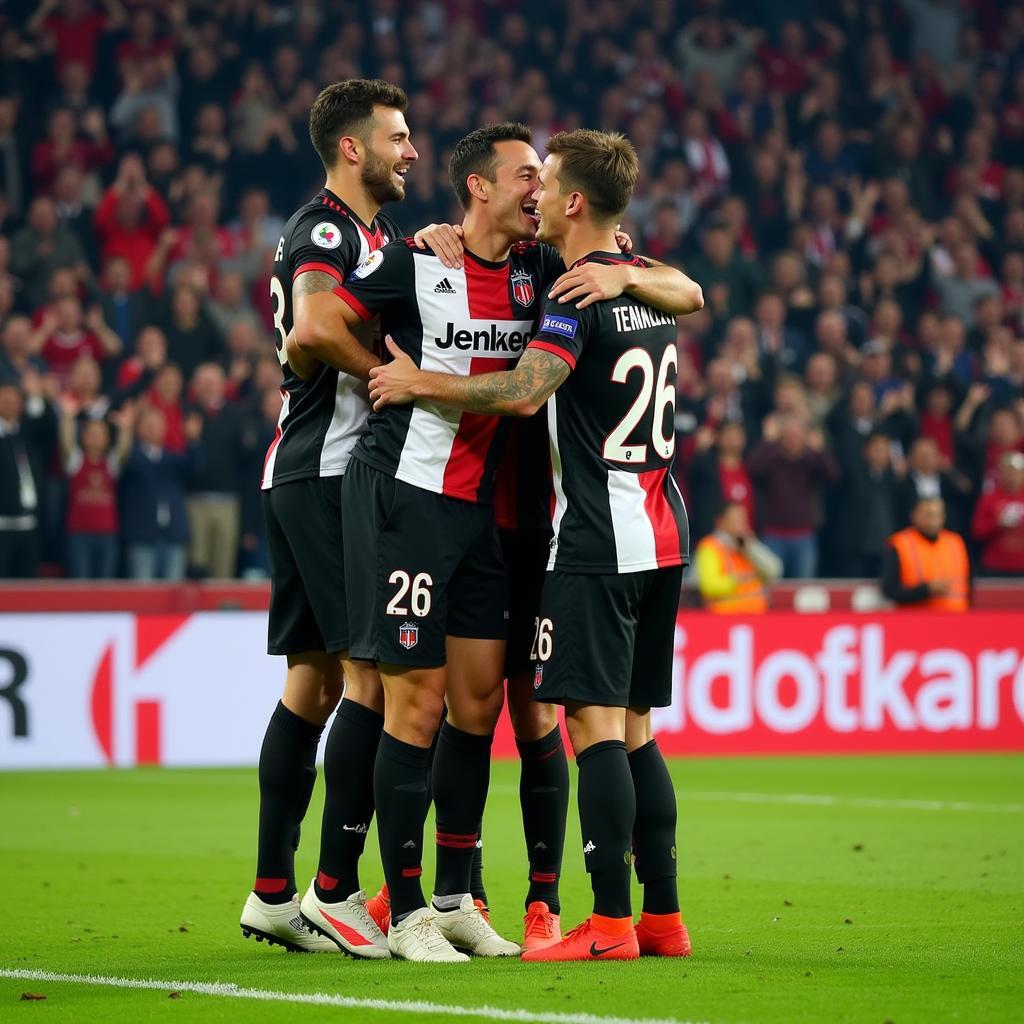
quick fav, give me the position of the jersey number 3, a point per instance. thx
(660, 393)
(277, 296)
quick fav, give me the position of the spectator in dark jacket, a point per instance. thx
(928, 477)
(192, 337)
(790, 468)
(214, 500)
(125, 310)
(154, 526)
(867, 514)
(27, 432)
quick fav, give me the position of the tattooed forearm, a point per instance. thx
(322, 329)
(518, 392)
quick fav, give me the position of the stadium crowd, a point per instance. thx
(845, 180)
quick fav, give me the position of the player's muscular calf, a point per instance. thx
(638, 728)
(414, 701)
(531, 720)
(473, 691)
(363, 685)
(312, 687)
(593, 723)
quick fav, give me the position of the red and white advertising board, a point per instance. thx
(80, 690)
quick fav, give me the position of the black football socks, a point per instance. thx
(399, 789)
(287, 772)
(462, 767)
(544, 798)
(654, 832)
(607, 810)
(348, 805)
(476, 873)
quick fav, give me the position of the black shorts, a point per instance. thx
(607, 639)
(421, 566)
(308, 610)
(526, 558)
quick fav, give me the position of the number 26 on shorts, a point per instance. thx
(418, 589)
(542, 639)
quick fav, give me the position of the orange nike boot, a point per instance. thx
(597, 938)
(541, 927)
(663, 935)
(379, 908)
(485, 912)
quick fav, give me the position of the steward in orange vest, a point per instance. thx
(733, 566)
(926, 566)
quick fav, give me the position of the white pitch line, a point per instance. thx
(825, 800)
(232, 991)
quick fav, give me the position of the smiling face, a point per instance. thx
(550, 203)
(511, 206)
(387, 156)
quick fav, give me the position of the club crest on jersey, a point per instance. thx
(522, 287)
(563, 325)
(538, 676)
(326, 235)
(369, 265)
(408, 635)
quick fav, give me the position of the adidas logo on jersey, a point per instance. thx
(487, 340)
(590, 847)
(444, 287)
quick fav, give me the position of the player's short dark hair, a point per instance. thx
(346, 108)
(474, 154)
(601, 165)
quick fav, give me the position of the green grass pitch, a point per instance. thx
(866, 889)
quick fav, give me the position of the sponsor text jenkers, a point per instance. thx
(488, 340)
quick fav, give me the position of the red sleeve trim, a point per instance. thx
(547, 346)
(346, 296)
(325, 268)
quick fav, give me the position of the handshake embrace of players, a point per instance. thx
(416, 562)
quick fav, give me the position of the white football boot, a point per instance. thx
(417, 938)
(467, 929)
(347, 923)
(281, 924)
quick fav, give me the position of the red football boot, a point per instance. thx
(597, 938)
(541, 927)
(379, 908)
(484, 912)
(663, 935)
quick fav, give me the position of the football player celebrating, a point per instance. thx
(417, 502)
(358, 128)
(604, 635)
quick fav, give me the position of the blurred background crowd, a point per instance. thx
(844, 179)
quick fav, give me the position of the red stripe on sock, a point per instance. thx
(412, 872)
(543, 876)
(457, 842)
(325, 881)
(270, 885)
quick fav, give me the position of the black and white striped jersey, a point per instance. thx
(612, 437)
(475, 320)
(322, 417)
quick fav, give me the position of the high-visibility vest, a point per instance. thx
(925, 561)
(749, 597)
